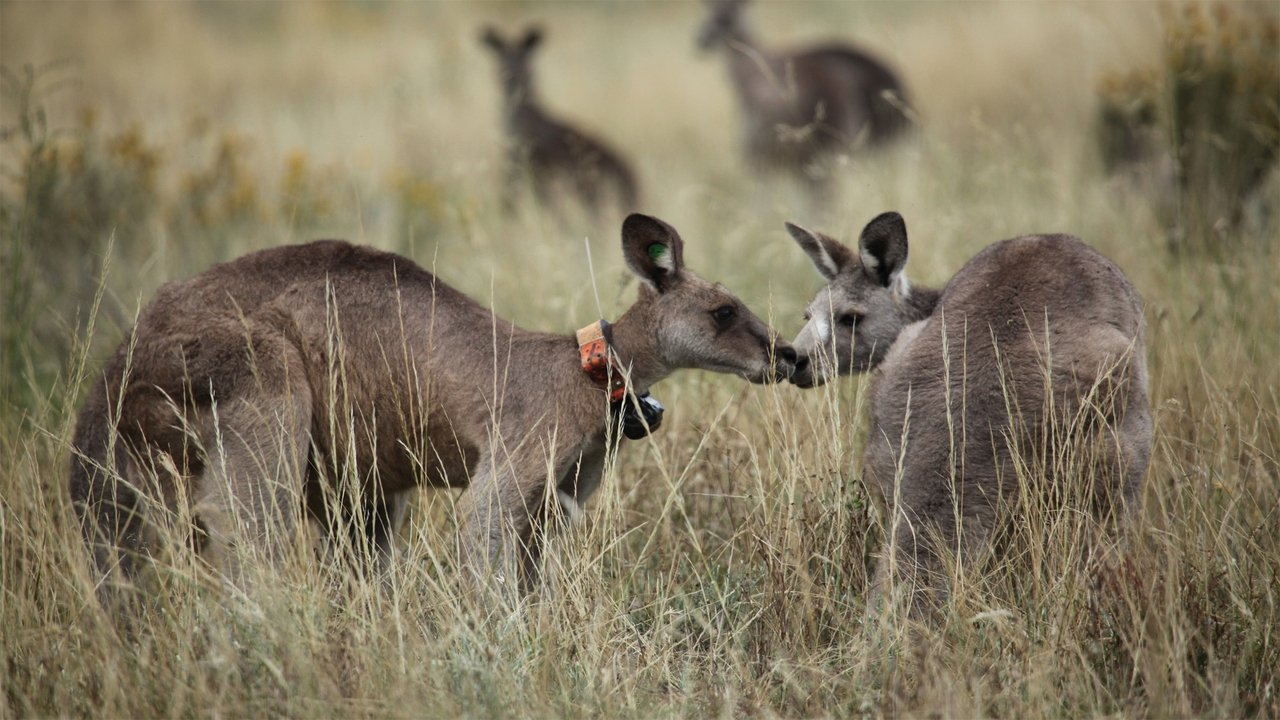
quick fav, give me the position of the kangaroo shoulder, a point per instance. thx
(903, 345)
(908, 362)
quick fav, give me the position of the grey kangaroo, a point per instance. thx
(550, 154)
(1034, 338)
(255, 391)
(801, 107)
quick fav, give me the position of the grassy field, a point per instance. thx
(722, 568)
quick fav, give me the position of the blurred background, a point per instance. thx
(165, 136)
(170, 135)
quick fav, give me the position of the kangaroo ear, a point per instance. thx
(653, 250)
(883, 248)
(830, 256)
(532, 38)
(491, 38)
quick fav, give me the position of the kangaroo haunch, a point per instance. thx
(264, 388)
(1024, 380)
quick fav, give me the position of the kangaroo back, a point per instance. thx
(1021, 384)
(1029, 376)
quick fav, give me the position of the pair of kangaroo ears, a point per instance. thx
(882, 249)
(653, 250)
(491, 37)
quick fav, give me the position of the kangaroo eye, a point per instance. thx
(724, 313)
(808, 316)
(850, 319)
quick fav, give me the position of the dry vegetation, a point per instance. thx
(722, 567)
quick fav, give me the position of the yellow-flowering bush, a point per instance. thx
(1211, 105)
(68, 194)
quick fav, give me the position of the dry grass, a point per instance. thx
(722, 567)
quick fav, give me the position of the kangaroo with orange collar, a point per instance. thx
(255, 384)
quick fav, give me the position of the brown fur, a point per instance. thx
(549, 153)
(802, 107)
(253, 387)
(960, 385)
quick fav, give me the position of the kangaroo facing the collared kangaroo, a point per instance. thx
(549, 154)
(247, 393)
(802, 108)
(1033, 352)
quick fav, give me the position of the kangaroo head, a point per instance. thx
(852, 322)
(513, 58)
(681, 320)
(723, 23)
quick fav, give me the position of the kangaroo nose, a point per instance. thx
(802, 363)
(788, 354)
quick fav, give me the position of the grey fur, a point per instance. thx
(960, 385)
(250, 388)
(547, 152)
(801, 108)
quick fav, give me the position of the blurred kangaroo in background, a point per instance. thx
(549, 154)
(1032, 353)
(328, 380)
(801, 109)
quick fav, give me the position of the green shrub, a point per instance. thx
(1211, 105)
(73, 193)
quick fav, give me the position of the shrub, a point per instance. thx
(70, 193)
(1211, 105)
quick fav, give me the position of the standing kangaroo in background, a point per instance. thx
(257, 388)
(547, 152)
(1037, 342)
(803, 108)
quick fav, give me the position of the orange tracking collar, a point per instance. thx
(593, 350)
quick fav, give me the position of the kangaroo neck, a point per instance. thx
(740, 40)
(521, 104)
(755, 72)
(746, 56)
(921, 302)
(635, 344)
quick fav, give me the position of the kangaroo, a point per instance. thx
(803, 107)
(953, 366)
(250, 388)
(545, 151)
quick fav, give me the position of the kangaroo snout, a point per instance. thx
(786, 361)
(802, 373)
